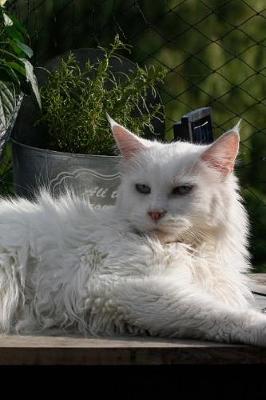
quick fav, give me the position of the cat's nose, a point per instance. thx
(156, 214)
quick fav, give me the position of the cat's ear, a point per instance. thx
(128, 143)
(222, 154)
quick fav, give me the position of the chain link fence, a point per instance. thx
(214, 52)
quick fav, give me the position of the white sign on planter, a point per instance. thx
(100, 189)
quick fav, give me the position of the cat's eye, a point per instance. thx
(144, 189)
(182, 190)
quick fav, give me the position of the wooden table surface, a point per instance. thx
(42, 350)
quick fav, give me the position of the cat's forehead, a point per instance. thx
(163, 162)
(169, 158)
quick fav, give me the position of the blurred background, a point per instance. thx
(214, 51)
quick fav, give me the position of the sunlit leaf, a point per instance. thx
(31, 78)
(7, 105)
(26, 49)
(17, 67)
(7, 20)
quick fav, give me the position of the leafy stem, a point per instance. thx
(75, 101)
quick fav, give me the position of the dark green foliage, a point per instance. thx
(16, 71)
(16, 77)
(6, 178)
(256, 206)
(75, 102)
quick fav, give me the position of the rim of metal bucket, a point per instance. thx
(64, 153)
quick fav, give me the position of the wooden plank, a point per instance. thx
(52, 350)
(34, 350)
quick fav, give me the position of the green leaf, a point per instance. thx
(14, 34)
(14, 29)
(15, 49)
(20, 49)
(7, 73)
(7, 54)
(7, 105)
(17, 67)
(26, 49)
(18, 25)
(32, 79)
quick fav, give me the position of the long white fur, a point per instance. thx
(65, 266)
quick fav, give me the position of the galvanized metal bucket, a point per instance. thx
(94, 177)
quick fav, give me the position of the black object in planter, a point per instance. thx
(195, 127)
(34, 166)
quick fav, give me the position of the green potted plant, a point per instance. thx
(69, 144)
(16, 71)
(16, 79)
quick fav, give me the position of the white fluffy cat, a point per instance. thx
(169, 259)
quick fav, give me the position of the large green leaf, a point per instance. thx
(7, 73)
(8, 101)
(17, 67)
(32, 79)
(18, 25)
(26, 49)
(8, 54)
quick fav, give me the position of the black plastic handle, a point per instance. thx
(195, 127)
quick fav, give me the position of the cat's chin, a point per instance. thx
(165, 237)
(162, 236)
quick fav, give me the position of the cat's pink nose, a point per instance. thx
(156, 214)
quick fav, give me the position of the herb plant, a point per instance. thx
(75, 102)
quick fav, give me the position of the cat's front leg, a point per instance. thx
(164, 309)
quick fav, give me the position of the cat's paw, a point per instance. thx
(257, 330)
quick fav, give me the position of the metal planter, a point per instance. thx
(95, 177)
